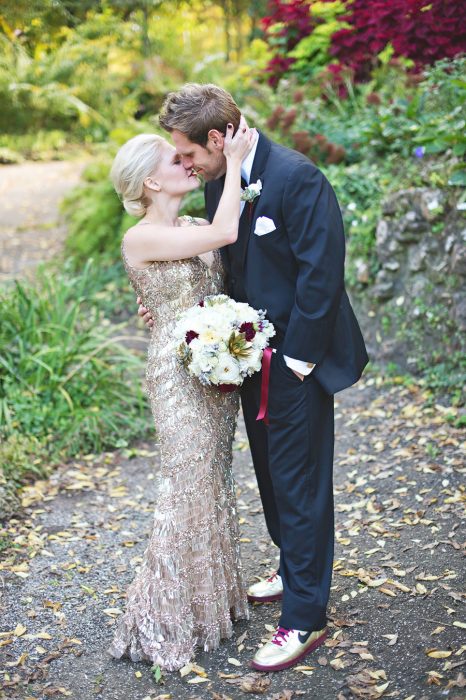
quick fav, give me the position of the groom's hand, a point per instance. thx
(144, 313)
(298, 374)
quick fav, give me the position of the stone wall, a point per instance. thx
(416, 307)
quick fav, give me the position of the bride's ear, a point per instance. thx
(152, 184)
(216, 138)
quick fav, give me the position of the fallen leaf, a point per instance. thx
(252, 683)
(113, 611)
(438, 653)
(234, 662)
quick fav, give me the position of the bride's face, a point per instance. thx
(207, 161)
(173, 177)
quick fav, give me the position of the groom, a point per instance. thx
(289, 260)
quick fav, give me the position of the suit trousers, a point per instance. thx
(293, 460)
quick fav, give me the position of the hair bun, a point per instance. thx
(134, 207)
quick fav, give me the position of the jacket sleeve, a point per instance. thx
(316, 236)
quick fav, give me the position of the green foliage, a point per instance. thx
(85, 68)
(312, 53)
(22, 458)
(95, 218)
(436, 351)
(65, 378)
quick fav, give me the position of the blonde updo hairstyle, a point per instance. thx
(135, 161)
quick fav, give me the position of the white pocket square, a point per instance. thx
(264, 225)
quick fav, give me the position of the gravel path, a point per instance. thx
(30, 227)
(397, 612)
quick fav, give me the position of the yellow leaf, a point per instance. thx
(19, 630)
(113, 611)
(234, 662)
(438, 654)
(387, 591)
(382, 688)
(228, 675)
(457, 623)
(198, 679)
(200, 670)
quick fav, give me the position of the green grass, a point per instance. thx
(67, 383)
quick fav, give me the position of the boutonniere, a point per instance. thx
(250, 192)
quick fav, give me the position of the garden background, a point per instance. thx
(373, 92)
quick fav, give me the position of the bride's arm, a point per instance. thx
(152, 242)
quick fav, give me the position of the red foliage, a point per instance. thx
(297, 23)
(318, 147)
(422, 30)
(417, 29)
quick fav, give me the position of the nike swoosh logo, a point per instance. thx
(304, 637)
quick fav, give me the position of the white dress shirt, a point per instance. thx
(246, 167)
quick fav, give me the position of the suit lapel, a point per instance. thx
(258, 167)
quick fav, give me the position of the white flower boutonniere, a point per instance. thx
(250, 192)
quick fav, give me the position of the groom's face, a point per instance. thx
(208, 160)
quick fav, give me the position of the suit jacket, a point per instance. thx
(296, 272)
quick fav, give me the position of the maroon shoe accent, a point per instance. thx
(265, 599)
(288, 664)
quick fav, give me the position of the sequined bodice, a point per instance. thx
(168, 287)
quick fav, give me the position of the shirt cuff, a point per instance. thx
(299, 365)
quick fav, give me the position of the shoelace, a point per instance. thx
(272, 578)
(280, 636)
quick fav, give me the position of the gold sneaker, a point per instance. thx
(266, 591)
(286, 648)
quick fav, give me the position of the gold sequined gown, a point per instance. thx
(190, 583)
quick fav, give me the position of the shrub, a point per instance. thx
(421, 31)
(306, 35)
(65, 379)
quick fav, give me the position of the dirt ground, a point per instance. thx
(397, 615)
(30, 227)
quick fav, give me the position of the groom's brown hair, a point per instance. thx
(196, 109)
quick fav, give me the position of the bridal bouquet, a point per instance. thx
(221, 341)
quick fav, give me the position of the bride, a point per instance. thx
(190, 583)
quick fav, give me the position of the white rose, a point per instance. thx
(227, 370)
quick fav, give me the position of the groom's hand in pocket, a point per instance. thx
(144, 313)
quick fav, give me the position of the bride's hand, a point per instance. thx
(235, 147)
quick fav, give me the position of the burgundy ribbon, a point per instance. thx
(263, 409)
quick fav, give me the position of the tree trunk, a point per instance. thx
(227, 28)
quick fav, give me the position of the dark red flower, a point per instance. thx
(248, 330)
(190, 335)
(225, 388)
(201, 303)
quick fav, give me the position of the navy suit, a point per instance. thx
(296, 273)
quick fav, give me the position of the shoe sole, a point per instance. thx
(288, 664)
(265, 599)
